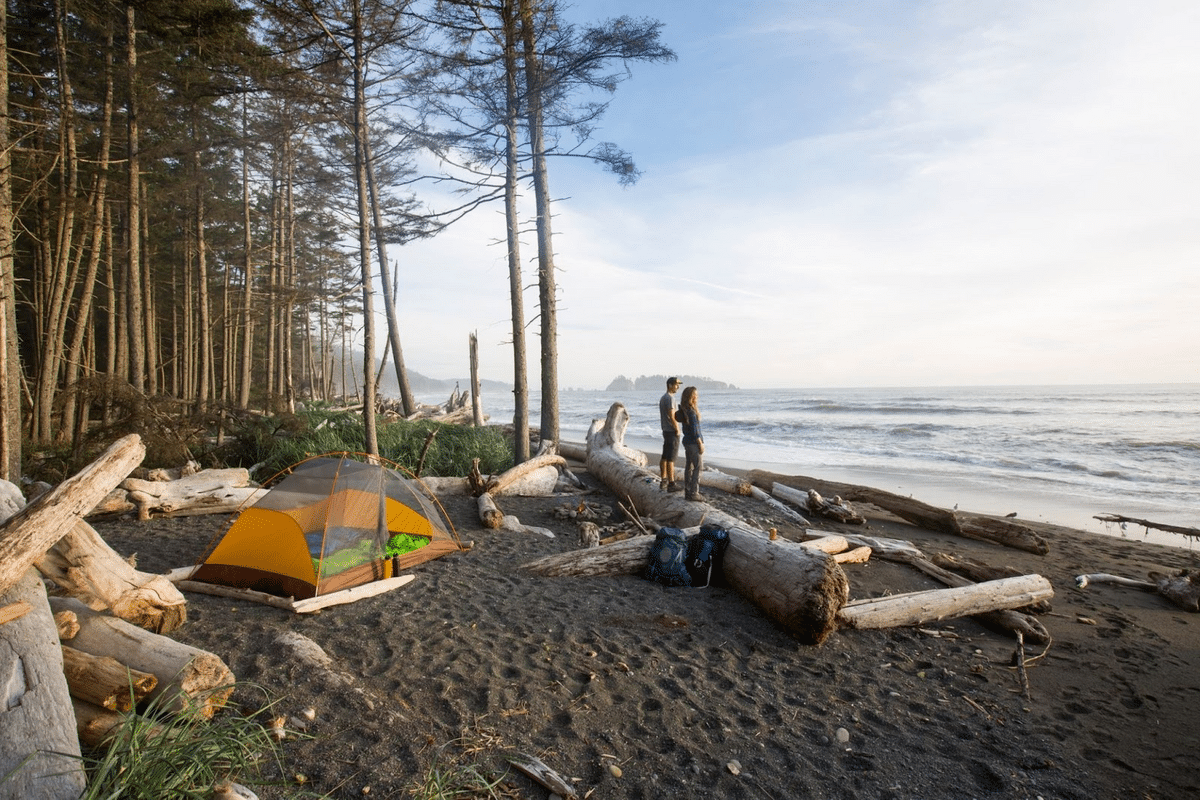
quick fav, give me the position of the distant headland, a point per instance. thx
(656, 382)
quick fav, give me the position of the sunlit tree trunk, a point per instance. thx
(136, 335)
(406, 396)
(10, 368)
(359, 110)
(516, 286)
(247, 327)
(547, 291)
(85, 316)
(204, 346)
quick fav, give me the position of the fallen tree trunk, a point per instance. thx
(623, 557)
(997, 531)
(39, 748)
(1010, 620)
(798, 588)
(187, 677)
(714, 479)
(1179, 588)
(1160, 526)
(1005, 532)
(210, 491)
(535, 477)
(29, 533)
(919, 608)
(105, 681)
(84, 566)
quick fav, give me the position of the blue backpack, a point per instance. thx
(668, 556)
(704, 555)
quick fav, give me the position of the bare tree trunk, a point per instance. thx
(370, 388)
(547, 291)
(204, 322)
(84, 316)
(516, 287)
(247, 275)
(10, 359)
(135, 317)
(407, 401)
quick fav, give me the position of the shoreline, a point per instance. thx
(1030, 505)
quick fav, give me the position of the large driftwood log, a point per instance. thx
(798, 588)
(919, 608)
(84, 566)
(733, 484)
(997, 531)
(1180, 588)
(210, 491)
(28, 534)
(39, 748)
(105, 681)
(1147, 524)
(1011, 620)
(624, 557)
(187, 677)
(535, 477)
(1003, 531)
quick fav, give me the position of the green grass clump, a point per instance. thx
(276, 443)
(155, 756)
(451, 779)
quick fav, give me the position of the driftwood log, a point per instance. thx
(39, 747)
(1147, 524)
(1014, 621)
(919, 608)
(1004, 532)
(187, 677)
(535, 477)
(211, 491)
(798, 588)
(29, 533)
(84, 566)
(105, 681)
(1182, 588)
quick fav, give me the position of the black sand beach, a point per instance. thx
(633, 690)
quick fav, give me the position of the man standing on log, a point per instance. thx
(670, 431)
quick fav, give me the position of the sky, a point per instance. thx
(875, 193)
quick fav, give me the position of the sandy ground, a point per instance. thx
(632, 690)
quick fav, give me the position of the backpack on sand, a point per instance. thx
(667, 558)
(705, 552)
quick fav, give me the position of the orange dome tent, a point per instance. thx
(332, 524)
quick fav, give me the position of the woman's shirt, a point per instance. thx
(691, 426)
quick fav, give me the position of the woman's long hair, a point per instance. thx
(688, 400)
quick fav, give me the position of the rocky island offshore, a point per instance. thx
(655, 382)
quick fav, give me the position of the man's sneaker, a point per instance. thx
(674, 487)
(662, 485)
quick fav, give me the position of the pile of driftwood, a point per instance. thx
(800, 585)
(72, 662)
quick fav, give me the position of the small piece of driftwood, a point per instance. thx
(536, 769)
(1158, 526)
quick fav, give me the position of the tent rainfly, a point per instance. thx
(332, 524)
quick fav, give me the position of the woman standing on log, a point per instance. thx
(693, 443)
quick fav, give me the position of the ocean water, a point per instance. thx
(1060, 454)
